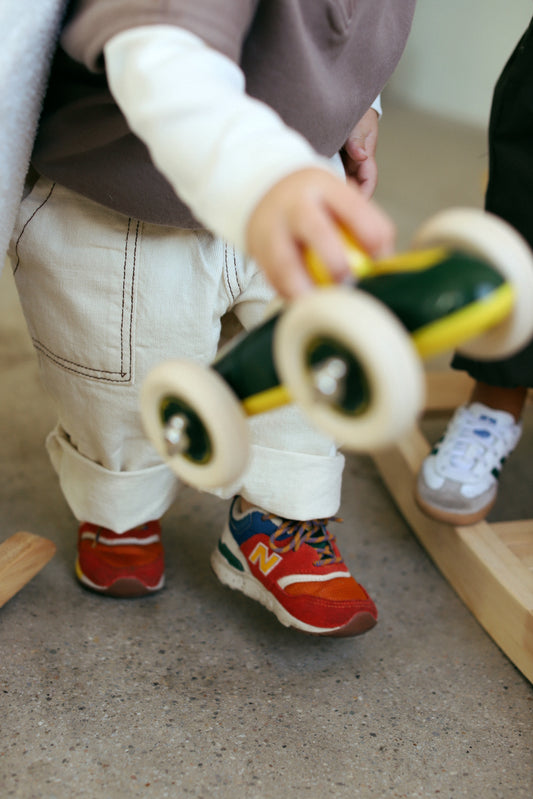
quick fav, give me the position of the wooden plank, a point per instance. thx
(518, 536)
(487, 575)
(21, 557)
(447, 390)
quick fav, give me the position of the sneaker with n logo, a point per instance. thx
(458, 480)
(295, 570)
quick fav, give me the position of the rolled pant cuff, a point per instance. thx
(116, 500)
(291, 485)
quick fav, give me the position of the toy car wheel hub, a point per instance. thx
(183, 431)
(336, 376)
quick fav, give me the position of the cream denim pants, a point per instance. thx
(106, 298)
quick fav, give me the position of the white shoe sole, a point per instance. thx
(247, 584)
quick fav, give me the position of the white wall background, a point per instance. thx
(455, 53)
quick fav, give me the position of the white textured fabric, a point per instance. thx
(220, 149)
(108, 298)
(116, 500)
(377, 106)
(29, 33)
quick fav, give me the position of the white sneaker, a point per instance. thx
(458, 481)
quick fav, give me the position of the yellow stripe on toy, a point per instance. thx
(466, 323)
(361, 265)
(359, 262)
(266, 400)
(413, 261)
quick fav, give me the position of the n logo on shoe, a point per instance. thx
(266, 560)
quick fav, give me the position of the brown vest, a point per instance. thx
(318, 63)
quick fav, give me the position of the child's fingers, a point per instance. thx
(371, 227)
(283, 263)
(366, 177)
(305, 211)
(322, 236)
(357, 153)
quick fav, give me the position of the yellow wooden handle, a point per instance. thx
(360, 263)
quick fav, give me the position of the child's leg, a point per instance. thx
(511, 400)
(295, 470)
(276, 547)
(458, 481)
(107, 298)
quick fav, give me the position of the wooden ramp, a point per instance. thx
(490, 566)
(21, 557)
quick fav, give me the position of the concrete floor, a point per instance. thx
(198, 692)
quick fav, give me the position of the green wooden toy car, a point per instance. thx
(351, 356)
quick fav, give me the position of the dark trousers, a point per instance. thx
(510, 189)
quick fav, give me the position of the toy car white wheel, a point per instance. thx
(490, 238)
(196, 423)
(351, 366)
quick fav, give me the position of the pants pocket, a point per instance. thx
(75, 268)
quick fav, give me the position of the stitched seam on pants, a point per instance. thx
(123, 308)
(236, 271)
(106, 375)
(52, 187)
(132, 296)
(226, 272)
(77, 368)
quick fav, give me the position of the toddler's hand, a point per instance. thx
(359, 153)
(304, 211)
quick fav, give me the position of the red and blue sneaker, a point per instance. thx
(129, 564)
(295, 570)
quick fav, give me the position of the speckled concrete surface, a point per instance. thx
(198, 692)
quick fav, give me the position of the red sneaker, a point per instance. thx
(295, 570)
(127, 565)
